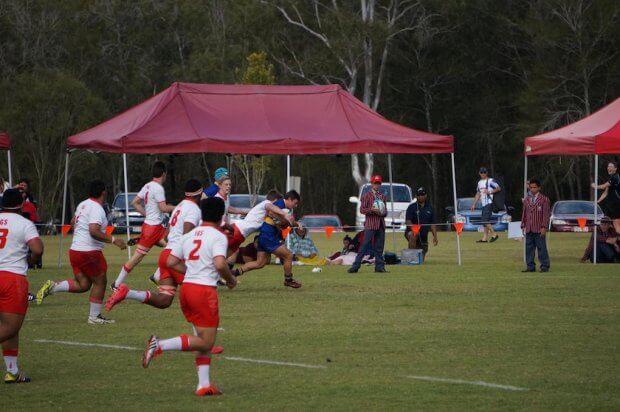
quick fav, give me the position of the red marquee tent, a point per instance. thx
(252, 119)
(596, 134)
(5, 144)
(194, 118)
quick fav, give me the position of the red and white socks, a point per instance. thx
(65, 286)
(10, 360)
(95, 307)
(142, 296)
(180, 343)
(203, 363)
(122, 275)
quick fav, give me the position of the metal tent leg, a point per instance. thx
(456, 211)
(126, 201)
(64, 209)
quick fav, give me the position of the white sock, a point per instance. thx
(203, 376)
(171, 344)
(95, 309)
(61, 287)
(121, 276)
(139, 295)
(11, 364)
(157, 275)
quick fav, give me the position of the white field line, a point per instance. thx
(133, 348)
(462, 382)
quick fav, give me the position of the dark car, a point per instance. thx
(565, 215)
(472, 220)
(116, 215)
(317, 223)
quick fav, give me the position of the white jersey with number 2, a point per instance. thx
(198, 248)
(186, 211)
(87, 212)
(152, 194)
(15, 233)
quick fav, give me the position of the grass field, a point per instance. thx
(554, 334)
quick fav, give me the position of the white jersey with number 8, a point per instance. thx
(15, 233)
(198, 248)
(186, 211)
(152, 194)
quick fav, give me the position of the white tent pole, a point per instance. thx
(392, 201)
(525, 188)
(8, 159)
(288, 172)
(64, 208)
(595, 202)
(456, 210)
(126, 201)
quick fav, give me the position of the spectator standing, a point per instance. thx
(373, 206)
(420, 213)
(607, 244)
(484, 193)
(534, 222)
(611, 194)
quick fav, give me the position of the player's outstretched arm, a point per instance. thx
(176, 264)
(270, 207)
(95, 232)
(165, 208)
(224, 270)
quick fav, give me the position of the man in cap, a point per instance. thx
(420, 213)
(484, 193)
(373, 206)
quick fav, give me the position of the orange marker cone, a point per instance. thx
(328, 231)
(65, 229)
(459, 227)
(109, 230)
(286, 231)
(416, 229)
(582, 222)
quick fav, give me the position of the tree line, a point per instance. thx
(488, 72)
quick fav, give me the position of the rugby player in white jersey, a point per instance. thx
(153, 197)
(185, 216)
(86, 256)
(253, 221)
(17, 235)
(201, 255)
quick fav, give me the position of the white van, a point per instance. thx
(402, 197)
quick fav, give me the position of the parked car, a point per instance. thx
(402, 199)
(116, 215)
(245, 202)
(564, 215)
(472, 220)
(316, 223)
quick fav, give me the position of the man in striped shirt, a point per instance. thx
(534, 222)
(373, 206)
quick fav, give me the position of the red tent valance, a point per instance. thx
(598, 133)
(5, 141)
(247, 119)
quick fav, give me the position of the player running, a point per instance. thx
(153, 196)
(201, 255)
(17, 236)
(271, 241)
(185, 217)
(86, 256)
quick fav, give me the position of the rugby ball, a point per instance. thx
(380, 206)
(277, 221)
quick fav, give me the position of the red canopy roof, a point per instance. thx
(5, 141)
(190, 118)
(598, 133)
